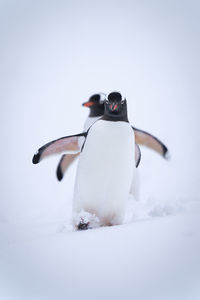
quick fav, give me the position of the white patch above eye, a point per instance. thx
(123, 97)
(102, 97)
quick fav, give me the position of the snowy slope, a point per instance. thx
(153, 258)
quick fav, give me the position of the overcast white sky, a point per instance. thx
(55, 54)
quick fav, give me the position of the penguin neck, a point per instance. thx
(96, 111)
(115, 118)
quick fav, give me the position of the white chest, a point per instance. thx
(105, 169)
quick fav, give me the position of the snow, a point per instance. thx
(54, 55)
(152, 258)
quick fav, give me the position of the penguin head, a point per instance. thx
(115, 106)
(95, 104)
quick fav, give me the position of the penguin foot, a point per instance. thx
(83, 226)
(85, 220)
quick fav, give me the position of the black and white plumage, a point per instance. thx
(106, 166)
(105, 169)
(96, 110)
(96, 106)
(108, 159)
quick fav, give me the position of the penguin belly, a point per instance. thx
(105, 171)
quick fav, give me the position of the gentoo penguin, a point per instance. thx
(96, 107)
(105, 168)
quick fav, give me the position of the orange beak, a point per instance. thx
(88, 104)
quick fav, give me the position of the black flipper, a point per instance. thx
(137, 155)
(64, 163)
(146, 139)
(71, 144)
